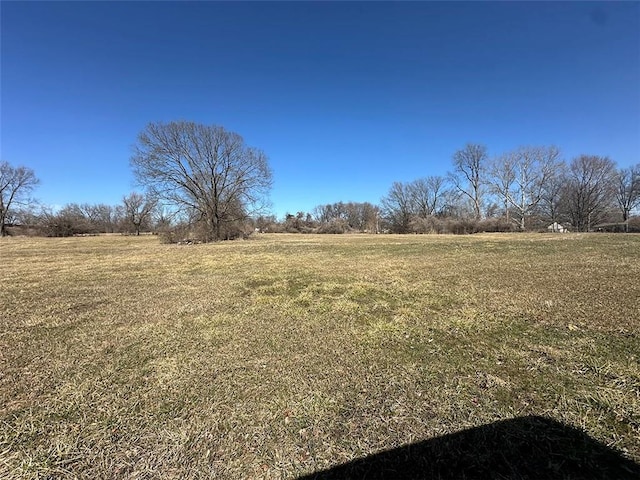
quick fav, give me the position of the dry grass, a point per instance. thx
(283, 355)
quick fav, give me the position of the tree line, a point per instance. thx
(203, 182)
(528, 188)
(137, 213)
(531, 186)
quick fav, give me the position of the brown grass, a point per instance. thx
(283, 355)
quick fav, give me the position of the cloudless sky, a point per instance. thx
(344, 98)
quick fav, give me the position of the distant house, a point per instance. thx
(556, 227)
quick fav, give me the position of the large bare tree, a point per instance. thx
(501, 174)
(533, 168)
(397, 207)
(16, 184)
(469, 165)
(628, 191)
(427, 195)
(205, 169)
(590, 190)
(553, 203)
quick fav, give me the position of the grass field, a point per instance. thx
(284, 355)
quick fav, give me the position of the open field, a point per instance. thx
(284, 355)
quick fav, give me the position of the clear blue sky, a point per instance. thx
(344, 98)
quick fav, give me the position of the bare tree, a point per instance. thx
(370, 217)
(72, 220)
(90, 213)
(323, 213)
(397, 207)
(138, 209)
(553, 203)
(628, 191)
(357, 216)
(361, 216)
(501, 175)
(427, 195)
(16, 183)
(468, 174)
(205, 169)
(590, 190)
(105, 217)
(533, 167)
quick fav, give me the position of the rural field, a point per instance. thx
(285, 355)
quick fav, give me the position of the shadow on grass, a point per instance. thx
(522, 448)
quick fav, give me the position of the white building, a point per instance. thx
(556, 227)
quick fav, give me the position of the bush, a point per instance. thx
(335, 226)
(198, 232)
(496, 225)
(430, 224)
(460, 226)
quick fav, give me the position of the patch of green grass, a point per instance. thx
(286, 354)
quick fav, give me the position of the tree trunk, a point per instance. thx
(476, 205)
(625, 219)
(523, 205)
(3, 216)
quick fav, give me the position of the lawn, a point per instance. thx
(284, 355)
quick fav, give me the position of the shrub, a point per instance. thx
(335, 226)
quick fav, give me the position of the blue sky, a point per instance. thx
(344, 98)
